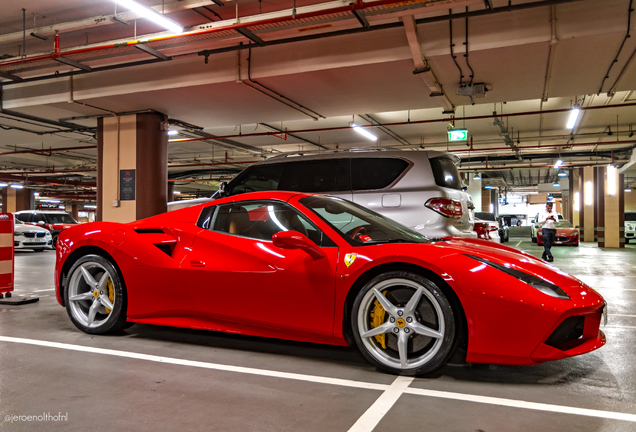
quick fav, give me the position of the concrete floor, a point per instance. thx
(160, 378)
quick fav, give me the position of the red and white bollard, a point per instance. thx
(7, 258)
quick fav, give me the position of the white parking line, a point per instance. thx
(381, 406)
(518, 243)
(620, 327)
(42, 290)
(621, 315)
(398, 386)
(523, 404)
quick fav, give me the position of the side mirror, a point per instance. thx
(576, 226)
(296, 240)
(40, 223)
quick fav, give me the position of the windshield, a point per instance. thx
(358, 225)
(563, 224)
(60, 218)
(18, 221)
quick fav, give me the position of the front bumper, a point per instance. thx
(32, 243)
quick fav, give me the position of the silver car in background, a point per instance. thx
(630, 226)
(421, 190)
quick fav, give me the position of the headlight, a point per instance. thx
(537, 283)
(575, 234)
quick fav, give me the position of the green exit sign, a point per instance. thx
(458, 135)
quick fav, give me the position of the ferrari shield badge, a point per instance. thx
(350, 258)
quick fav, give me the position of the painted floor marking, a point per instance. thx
(382, 405)
(397, 384)
(621, 315)
(619, 327)
(520, 241)
(523, 404)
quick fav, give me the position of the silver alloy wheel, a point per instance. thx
(410, 325)
(88, 294)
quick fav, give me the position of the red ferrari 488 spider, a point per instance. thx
(322, 269)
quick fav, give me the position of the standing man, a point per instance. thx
(547, 219)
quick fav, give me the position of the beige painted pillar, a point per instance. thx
(132, 167)
(588, 204)
(614, 210)
(485, 199)
(14, 200)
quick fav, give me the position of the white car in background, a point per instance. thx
(630, 226)
(534, 226)
(31, 237)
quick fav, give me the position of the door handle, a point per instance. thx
(197, 263)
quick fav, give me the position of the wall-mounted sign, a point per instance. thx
(127, 185)
(458, 135)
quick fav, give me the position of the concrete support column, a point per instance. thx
(599, 216)
(588, 207)
(486, 196)
(74, 211)
(132, 167)
(14, 200)
(474, 190)
(612, 233)
(170, 191)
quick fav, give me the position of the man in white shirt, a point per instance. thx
(547, 219)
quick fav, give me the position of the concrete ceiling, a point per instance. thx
(540, 58)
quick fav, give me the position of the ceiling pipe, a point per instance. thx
(409, 123)
(503, 168)
(545, 147)
(31, 179)
(211, 164)
(49, 151)
(351, 8)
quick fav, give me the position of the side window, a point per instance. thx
(375, 173)
(262, 219)
(256, 179)
(38, 217)
(446, 173)
(329, 175)
(24, 217)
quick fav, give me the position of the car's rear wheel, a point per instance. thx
(403, 323)
(95, 296)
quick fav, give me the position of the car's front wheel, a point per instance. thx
(95, 296)
(403, 323)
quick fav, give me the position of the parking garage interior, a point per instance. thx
(109, 116)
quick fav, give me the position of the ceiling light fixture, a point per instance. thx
(152, 15)
(488, 187)
(628, 189)
(557, 184)
(16, 186)
(173, 132)
(558, 163)
(574, 115)
(176, 192)
(364, 132)
(90, 206)
(562, 173)
(3, 185)
(477, 176)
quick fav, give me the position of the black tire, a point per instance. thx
(431, 313)
(54, 242)
(87, 303)
(534, 240)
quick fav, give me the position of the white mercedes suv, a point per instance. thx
(419, 189)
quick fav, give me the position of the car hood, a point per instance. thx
(508, 257)
(29, 228)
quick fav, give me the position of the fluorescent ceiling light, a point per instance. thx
(562, 174)
(153, 16)
(3, 185)
(558, 163)
(628, 190)
(36, 193)
(488, 187)
(612, 180)
(574, 115)
(557, 184)
(16, 186)
(364, 132)
(589, 195)
(89, 206)
(173, 132)
(477, 177)
(176, 192)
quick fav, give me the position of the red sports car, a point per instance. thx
(566, 234)
(322, 269)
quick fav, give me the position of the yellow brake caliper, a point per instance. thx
(378, 316)
(111, 294)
